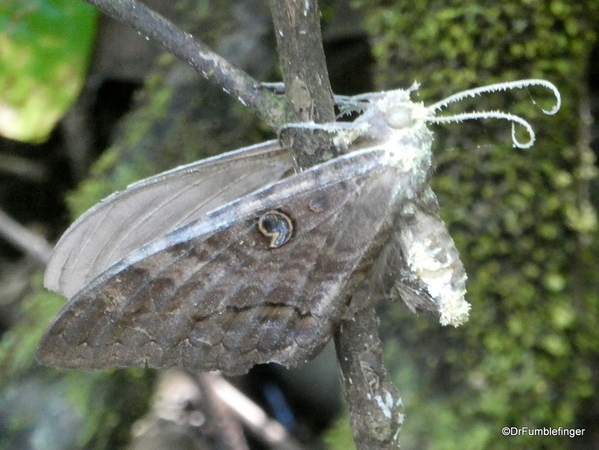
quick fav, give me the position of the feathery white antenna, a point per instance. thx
(496, 114)
(519, 84)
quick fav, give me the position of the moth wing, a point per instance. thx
(392, 279)
(433, 261)
(151, 208)
(420, 264)
(214, 295)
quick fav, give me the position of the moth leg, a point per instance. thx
(346, 132)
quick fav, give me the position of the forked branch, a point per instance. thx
(266, 105)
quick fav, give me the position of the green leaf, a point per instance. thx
(44, 52)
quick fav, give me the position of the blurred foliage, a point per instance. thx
(521, 219)
(167, 127)
(63, 408)
(44, 50)
(339, 435)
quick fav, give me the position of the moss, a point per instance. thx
(519, 218)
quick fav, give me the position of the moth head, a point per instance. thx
(393, 113)
(401, 112)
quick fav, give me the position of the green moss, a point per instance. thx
(339, 435)
(519, 217)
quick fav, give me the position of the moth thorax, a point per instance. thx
(410, 151)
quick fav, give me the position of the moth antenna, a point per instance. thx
(497, 114)
(277, 87)
(349, 105)
(502, 87)
(491, 115)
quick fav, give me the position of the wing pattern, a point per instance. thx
(153, 207)
(213, 294)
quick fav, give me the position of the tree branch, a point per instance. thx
(270, 432)
(266, 105)
(309, 94)
(374, 404)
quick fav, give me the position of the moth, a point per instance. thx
(239, 259)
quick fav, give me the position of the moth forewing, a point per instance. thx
(215, 294)
(151, 208)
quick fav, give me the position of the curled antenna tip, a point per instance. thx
(527, 144)
(547, 84)
(475, 115)
(519, 84)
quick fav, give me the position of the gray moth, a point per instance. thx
(239, 259)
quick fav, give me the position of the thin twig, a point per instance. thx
(184, 46)
(30, 243)
(184, 409)
(23, 168)
(267, 430)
